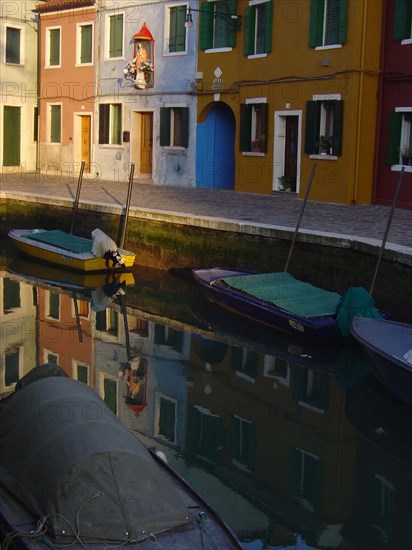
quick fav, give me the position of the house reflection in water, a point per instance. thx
(279, 448)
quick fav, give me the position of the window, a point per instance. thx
(110, 394)
(55, 123)
(83, 373)
(54, 305)
(35, 123)
(110, 123)
(403, 20)
(205, 434)
(107, 321)
(305, 478)
(174, 126)
(166, 421)
(311, 388)
(242, 440)
(11, 366)
(253, 126)
(114, 36)
(258, 29)
(216, 30)
(13, 45)
(53, 47)
(84, 44)
(175, 29)
(328, 22)
(399, 148)
(324, 122)
(11, 295)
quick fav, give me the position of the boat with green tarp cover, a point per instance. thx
(72, 475)
(284, 302)
(100, 253)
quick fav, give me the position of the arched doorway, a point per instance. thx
(215, 142)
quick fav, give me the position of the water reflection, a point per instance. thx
(296, 447)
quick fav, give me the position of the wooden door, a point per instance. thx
(86, 127)
(11, 136)
(291, 146)
(146, 147)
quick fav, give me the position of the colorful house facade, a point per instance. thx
(18, 101)
(67, 87)
(285, 86)
(147, 110)
(394, 136)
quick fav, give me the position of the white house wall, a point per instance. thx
(173, 83)
(19, 82)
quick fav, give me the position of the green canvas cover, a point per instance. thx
(73, 243)
(67, 457)
(288, 293)
(355, 302)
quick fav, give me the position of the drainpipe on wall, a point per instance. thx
(97, 85)
(360, 94)
(38, 94)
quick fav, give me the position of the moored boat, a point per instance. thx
(88, 480)
(71, 251)
(389, 346)
(280, 301)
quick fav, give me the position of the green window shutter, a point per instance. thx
(337, 128)
(12, 45)
(268, 26)
(54, 47)
(35, 123)
(116, 35)
(312, 127)
(11, 367)
(11, 294)
(232, 25)
(104, 122)
(54, 305)
(164, 126)
(86, 44)
(177, 29)
(116, 124)
(206, 26)
(245, 127)
(402, 22)
(185, 126)
(167, 419)
(55, 123)
(193, 430)
(110, 394)
(101, 320)
(316, 23)
(160, 335)
(82, 373)
(343, 21)
(294, 472)
(394, 138)
(249, 32)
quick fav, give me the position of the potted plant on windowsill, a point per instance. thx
(256, 145)
(324, 145)
(406, 155)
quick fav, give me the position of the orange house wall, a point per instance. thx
(71, 85)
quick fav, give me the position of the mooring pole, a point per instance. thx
(126, 215)
(305, 200)
(388, 225)
(76, 202)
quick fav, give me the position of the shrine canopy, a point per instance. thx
(143, 34)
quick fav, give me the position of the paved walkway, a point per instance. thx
(226, 210)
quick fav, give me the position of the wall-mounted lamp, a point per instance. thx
(230, 18)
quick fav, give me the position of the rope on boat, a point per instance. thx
(201, 521)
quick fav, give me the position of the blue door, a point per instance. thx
(215, 155)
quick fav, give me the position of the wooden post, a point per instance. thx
(126, 215)
(76, 202)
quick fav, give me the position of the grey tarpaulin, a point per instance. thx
(66, 456)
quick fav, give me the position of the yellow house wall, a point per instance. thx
(288, 77)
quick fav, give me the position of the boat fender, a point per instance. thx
(115, 257)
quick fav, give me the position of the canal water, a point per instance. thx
(296, 447)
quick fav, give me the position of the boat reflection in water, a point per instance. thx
(261, 428)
